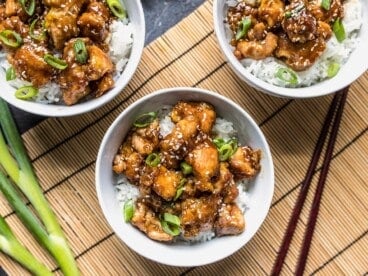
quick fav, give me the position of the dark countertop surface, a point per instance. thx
(160, 16)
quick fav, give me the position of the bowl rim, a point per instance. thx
(110, 132)
(318, 89)
(54, 110)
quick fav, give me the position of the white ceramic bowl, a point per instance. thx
(261, 190)
(356, 65)
(136, 16)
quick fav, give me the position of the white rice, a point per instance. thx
(335, 52)
(126, 191)
(120, 42)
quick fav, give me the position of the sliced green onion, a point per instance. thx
(225, 152)
(339, 30)
(234, 144)
(10, 74)
(180, 189)
(186, 168)
(39, 37)
(128, 210)
(28, 6)
(26, 92)
(171, 224)
(80, 50)
(11, 38)
(219, 142)
(333, 69)
(153, 160)
(117, 8)
(145, 119)
(55, 62)
(326, 4)
(287, 14)
(287, 75)
(244, 27)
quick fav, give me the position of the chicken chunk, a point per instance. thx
(145, 140)
(99, 63)
(230, 221)
(202, 111)
(146, 221)
(258, 32)
(225, 185)
(205, 162)
(105, 84)
(14, 23)
(336, 10)
(166, 183)
(128, 162)
(301, 25)
(271, 12)
(257, 49)
(300, 56)
(13, 7)
(29, 64)
(245, 163)
(199, 214)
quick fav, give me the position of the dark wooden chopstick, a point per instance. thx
(307, 183)
(320, 185)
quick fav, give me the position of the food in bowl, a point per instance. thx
(183, 175)
(63, 52)
(293, 43)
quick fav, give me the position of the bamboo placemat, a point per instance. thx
(64, 152)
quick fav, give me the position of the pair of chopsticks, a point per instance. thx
(333, 118)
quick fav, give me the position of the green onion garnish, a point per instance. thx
(55, 62)
(153, 160)
(287, 75)
(233, 142)
(225, 152)
(11, 38)
(333, 69)
(339, 30)
(26, 92)
(145, 119)
(219, 142)
(28, 6)
(32, 34)
(128, 210)
(186, 168)
(326, 4)
(244, 26)
(117, 8)
(171, 224)
(80, 50)
(180, 189)
(10, 74)
(287, 14)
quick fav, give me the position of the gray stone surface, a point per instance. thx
(160, 16)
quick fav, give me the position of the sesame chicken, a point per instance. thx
(245, 163)
(257, 49)
(166, 182)
(145, 140)
(230, 220)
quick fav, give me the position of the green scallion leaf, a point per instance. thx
(42, 33)
(55, 62)
(243, 28)
(117, 8)
(80, 50)
(26, 93)
(153, 160)
(219, 142)
(225, 152)
(11, 38)
(287, 75)
(128, 210)
(333, 69)
(171, 224)
(186, 168)
(29, 6)
(339, 30)
(11, 74)
(326, 4)
(145, 119)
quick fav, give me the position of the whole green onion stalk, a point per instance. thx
(15, 162)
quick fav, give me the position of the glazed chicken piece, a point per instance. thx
(300, 56)
(271, 12)
(336, 10)
(202, 111)
(75, 79)
(166, 183)
(61, 21)
(146, 221)
(301, 25)
(205, 162)
(199, 214)
(225, 185)
(13, 7)
(29, 64)
(245, 163)
(145, 140)
(257, 49)
(128, 162)
(177, 144)
(14, 23)
(105, 84)
(93, 23)
(258, 32)
(230, 221)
